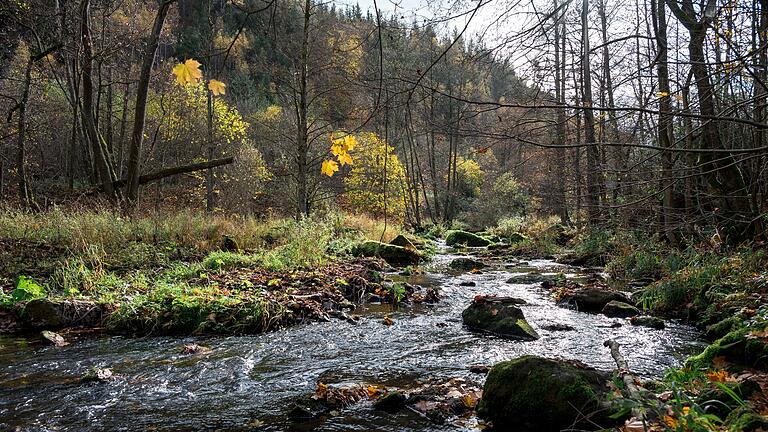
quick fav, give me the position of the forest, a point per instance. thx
(402, 215)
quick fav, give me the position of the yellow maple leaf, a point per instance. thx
(350, 142)
(345, 159)
(329, 167)
(337, 147)
(188, 72)
(662, 94)
(217, 87)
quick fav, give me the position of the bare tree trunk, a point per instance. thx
(560, 199)
(25, 194)
(137, 136)
(104, 170)
(593, 153)
(666, 132)
(302, 135)
(721, 170)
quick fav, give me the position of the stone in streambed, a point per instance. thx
(458, 237)
(392, 254)
(498, 316)
(617, 309)
(391, 402)
(648, 321)
(465, 263)
(593, 299)
(528, 278)
(468, 284)
(534, 393)
(54, 338)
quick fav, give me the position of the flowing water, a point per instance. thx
(248, 382)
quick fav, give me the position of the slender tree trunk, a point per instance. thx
(302, 138)
(560, 199)
(666, 134)
(139, 117)
(593, 153)
(104, 170)
(25, 193)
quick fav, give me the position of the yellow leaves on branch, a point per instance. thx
(340, 147)
(216, 87)
(329, 168)
(189, 73)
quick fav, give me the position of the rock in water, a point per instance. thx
(538, 394)
(617, 309)
(594, 299)
(648, 321)
(97, 374)
(498, 316)
(392, 254)
(465, 238)
(391, 402)
(194, 349)
(54, 338)
(464, 263)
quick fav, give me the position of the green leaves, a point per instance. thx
(27, 289)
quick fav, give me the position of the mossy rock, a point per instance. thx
(392, 254)
(559, 234)
(464, 263)
(594, 299)
(737, 347)
(515, 238)
(403, 241)
(716, 331)
(648, 321)
(618, 309)
(458, 237)
(499, 317)
(529, 278)
(745, 420)
(534, 393)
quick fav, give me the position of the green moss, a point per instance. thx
(458, 237)
(542, 394)
(394, 255)
(504, 320)
(737, 348)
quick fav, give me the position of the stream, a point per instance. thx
(249, 382)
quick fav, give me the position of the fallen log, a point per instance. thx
(166, 172)
(627, 378)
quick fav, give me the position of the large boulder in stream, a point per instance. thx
(499, 316)
(593, 298)
(618, 309)
(458, 237)
(392, 254)
(539, 394)
(466, 263)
